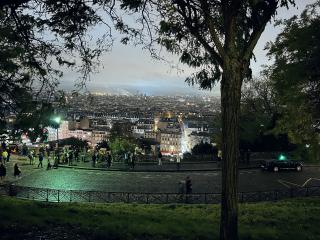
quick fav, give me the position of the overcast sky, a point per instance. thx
(130, 68)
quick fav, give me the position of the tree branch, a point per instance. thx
(195, 32)
(212, 30)
(258, 30)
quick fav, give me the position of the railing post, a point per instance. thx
(275, 195)
(307, 191)
(205, 198)
(242, 197)
(47, 199)
(147, 198)
(89, 196)
(128, 197)
(70, 195)
(58, 195)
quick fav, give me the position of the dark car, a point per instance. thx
(278, 165)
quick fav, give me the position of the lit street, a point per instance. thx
(117, 181)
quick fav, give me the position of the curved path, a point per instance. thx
(210, 181)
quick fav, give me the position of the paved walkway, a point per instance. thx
(154, 167)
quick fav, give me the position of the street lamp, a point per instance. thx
(57, 121)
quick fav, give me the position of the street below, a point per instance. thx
(166, 182)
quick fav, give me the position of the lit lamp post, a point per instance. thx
(57, 121)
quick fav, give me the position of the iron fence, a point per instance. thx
(57, 195)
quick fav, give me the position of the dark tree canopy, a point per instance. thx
(204, 148)
(295, 75)
(74, 142)
(40, 38)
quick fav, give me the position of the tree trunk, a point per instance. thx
(230, 104)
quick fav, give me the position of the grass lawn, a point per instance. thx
(21, 219)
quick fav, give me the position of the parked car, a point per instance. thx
(278, 165)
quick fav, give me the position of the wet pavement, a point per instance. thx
(206, 177)
(154, 182)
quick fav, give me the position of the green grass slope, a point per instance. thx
(21, 219)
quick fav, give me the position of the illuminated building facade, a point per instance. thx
(170, 142)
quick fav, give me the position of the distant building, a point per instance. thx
(99, 136)
(63, 131)
(150, 134)
(170, 142)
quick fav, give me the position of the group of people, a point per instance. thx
(5, 153)
(177, 159)
(70, 155)
(101, 157)
(32, 155)
(106, 157)
(3, 171)
(130, 159)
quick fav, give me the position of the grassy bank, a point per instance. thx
(19, 219)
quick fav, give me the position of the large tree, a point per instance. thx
(295, 77)
(217, 39)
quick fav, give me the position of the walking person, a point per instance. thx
(126, 157)
(188, 185)
(188, 189)
(30, 156)
(159, 158)
(24, 150)
(3, 171)
(49, 165)
(94, 159)
(76, 154)
(178, 161)
(133, 159)
(9, 154)
(219, 155)
(108, 160)
(5, 155)
(40, 159)
(47, 149)
(56, 157)
(16, 170)
(70, 157)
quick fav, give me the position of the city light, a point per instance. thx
(57, 119)
(282, 157)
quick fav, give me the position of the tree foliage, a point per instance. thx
(74, 142)
(204, 148)
(120, 146)
(40, 38)
(121, 130)
(295, 75)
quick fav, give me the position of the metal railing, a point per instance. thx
(57, 195)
